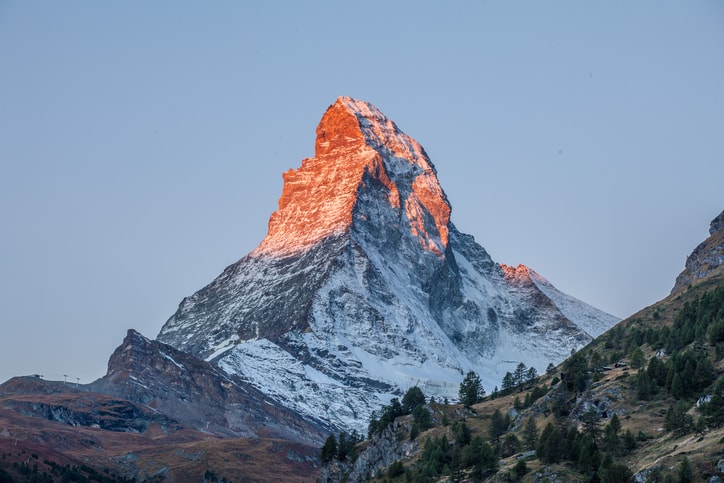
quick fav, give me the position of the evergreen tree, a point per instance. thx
(591, 421)
(714, 410)
(530, 434)
(531, 374)
(677, 386)
(373, 425)
(551, 445)
(637, 358)
(461, 431)
(589, 459)
(508, 383)
(510, 445)
(413, 397)
(686, 471)
(396, 469)
(345, 446)
(617, 473)
(615, 424)
(498, 425)
(471, 390)
(422, 418)
(519, 470)
(519, 374)
(677, 421)
(657, 371)
(643, 385)
(479, 456)
(629, 441)
(611, 437)
(329, 450)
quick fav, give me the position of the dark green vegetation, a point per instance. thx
(21, 467)
(412, 403)
(647, 397)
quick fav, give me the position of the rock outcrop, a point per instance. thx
(707, 259)
(383, 450)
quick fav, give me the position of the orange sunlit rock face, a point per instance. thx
(319, 197)
(519, 273)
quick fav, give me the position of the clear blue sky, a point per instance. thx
(142, 144)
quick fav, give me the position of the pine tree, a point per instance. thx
(637, 358)
(686, 471)
(629, 441)
(373, 425)
(510, 445)
(519, 374)
(615, 424)
(591, 421)
(530, 433)
(422, 417)
(643, 385)
(329, 450)
(677, 420)
(462, 433)
(677, 387)
(617, 473)
(551, 445)
(508, 382)
(345, 446)
(413, 397)
(714, 410)
(498, 425)
(471, 390)
(520, 469)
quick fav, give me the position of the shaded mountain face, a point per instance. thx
(706, 259)
(197, 394)
(363, 287)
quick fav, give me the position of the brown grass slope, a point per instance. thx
(46, 426)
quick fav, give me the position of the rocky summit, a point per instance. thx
(363, 287)
(707, 259)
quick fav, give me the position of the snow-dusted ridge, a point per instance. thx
(363, 287)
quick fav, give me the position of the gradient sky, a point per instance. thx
(142, 144)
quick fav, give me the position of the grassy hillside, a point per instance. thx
(645, 399)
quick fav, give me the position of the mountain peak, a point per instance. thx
(358, 150)
(522, 274)
(363, 287)
(717, 224)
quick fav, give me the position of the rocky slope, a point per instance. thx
(363, 287)
(198, 394)
(596, 417)
(157, 413)
(706, 259)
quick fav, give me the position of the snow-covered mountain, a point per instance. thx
(363, 287)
